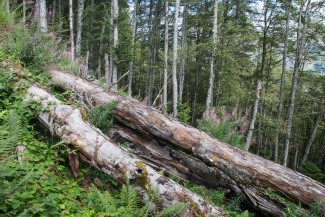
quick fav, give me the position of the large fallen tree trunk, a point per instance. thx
(94, 147)
(252, 173)
(189, 168)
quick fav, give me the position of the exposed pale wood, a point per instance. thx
(95, 148)
(242, 167)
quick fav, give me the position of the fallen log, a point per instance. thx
(254, 174)
(163, 157)
(95, 148)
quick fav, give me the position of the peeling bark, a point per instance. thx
(244, 168)
(98, 150)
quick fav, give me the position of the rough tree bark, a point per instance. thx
(81, 5)
(174, 66)
(213, 57)
(98, 150)
(165, 59)
(71, 29)
(248, 170)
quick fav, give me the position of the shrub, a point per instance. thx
(29, 46)
(312, 170)
(224, 126)
(101, 116)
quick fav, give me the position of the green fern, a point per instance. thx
(172, 211)
(11, 132)
(129, 198)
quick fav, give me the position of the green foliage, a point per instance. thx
(184, 112)
(127, 204)
(224, 127)
(30, 47)
(101, 116)
(317, 209)
(294, 211)
(312, 170)
(11, 131)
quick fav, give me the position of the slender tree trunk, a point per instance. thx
(71, 29)
(301, 31)
(284, 64)
(7, 6)
(174, 66)
(165, 59)
(313, 136)
(24, 12)
(53, 10)
(184, 50)
(101, 48)
(81, 5)
(42, 16)
(91, 47)
(213, 57)
(134, 30)
(108, 77)
(252, 123)
(115, 42)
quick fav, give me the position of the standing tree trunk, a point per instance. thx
(24, 12)
(252, 123)
(174, 66)
(53, 10)
(134, 30)
(115, 42)
(101, 47)
(213, 57)
(184, 49)
(81, 5)
(108, 76)
(301, 34)
(313, 135)
(6, 6)
(165, 59)
(284, 64)
(71, 29)
(42, 16)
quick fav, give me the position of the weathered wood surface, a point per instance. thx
(246, 169)
(163, 157)
(95, 148)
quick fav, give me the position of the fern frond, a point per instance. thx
(129, 197)
(172, 211)
(105, 202)
(11, 132)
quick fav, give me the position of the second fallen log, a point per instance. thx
(95, 148)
